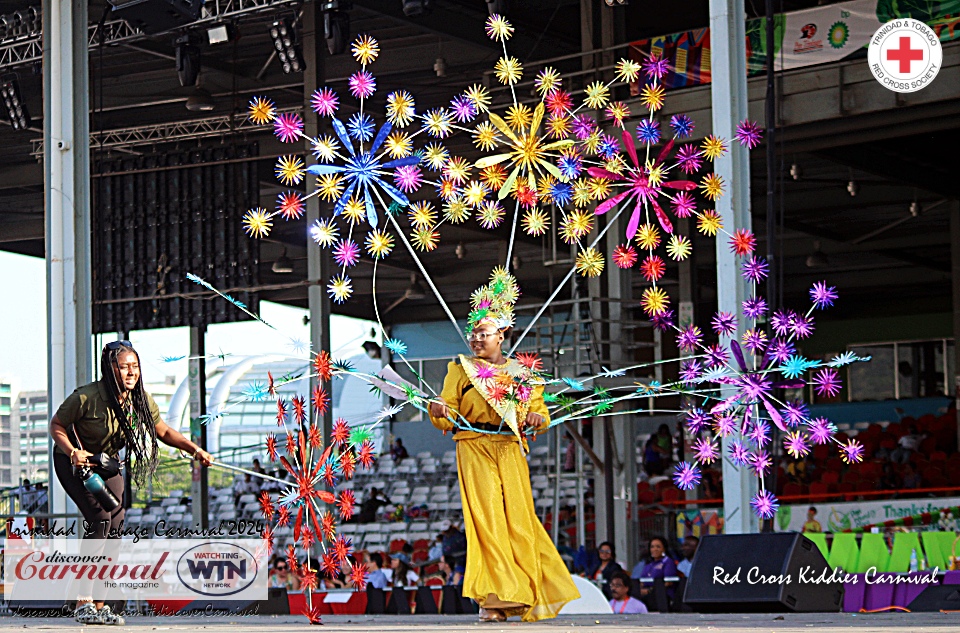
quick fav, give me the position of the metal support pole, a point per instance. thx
(728, 91)
(955, 265)
(66, 166)
(198, 432)
(318, 264)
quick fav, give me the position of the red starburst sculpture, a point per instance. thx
(323, 365)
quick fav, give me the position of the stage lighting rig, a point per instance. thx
(336, 24)
(12, 99)
(285, 40)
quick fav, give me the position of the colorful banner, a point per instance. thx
(838, 517)
(803, 38)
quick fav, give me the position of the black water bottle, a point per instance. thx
(95, 485)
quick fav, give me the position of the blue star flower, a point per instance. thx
(648, 131)
(396, 346)
(796, 366)
(360, 126)
(256, 391)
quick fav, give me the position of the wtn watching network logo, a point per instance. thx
(218, 569)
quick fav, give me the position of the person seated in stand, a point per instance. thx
(375, 576)
(436, 550)
(911, 478)
(281, 577)
(689, 549)
(403, 575)
(656, 565)
(604, 569)
(372, 505)
(245, 486)
(454, 541)
(907, 445)
(888, 478)
(398, 452)
(257, 468)
(342, 579)
(621, 601)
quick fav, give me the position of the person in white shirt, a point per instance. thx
(622, 602)
(689, 548)
(908, 444)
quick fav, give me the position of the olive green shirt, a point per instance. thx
(88, 411)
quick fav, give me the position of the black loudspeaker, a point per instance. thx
(426, 605)
(277, 602)
(761, 573)
(156, 16)
(376, 601)
(937, 598)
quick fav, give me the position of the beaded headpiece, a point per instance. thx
(493, 302)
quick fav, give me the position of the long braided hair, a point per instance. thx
(139, 432)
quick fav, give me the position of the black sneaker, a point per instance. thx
(108, 617)
(87, 614)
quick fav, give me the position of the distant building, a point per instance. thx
(33, 421)
(8, 432)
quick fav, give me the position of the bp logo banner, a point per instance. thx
(826, 34)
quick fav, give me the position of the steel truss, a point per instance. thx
(23, 50)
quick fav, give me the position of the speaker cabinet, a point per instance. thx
(937, 598)
(761, 573)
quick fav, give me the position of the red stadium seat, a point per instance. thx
(819, 488)
(396, 545)
(830, 477)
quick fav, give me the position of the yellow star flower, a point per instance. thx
(438, 123)
(490, 214)
(547, 81)
(457, 169)
(447, 189)
(575, 225)
(648, 237)
(618, 111)
(709, 222)
(324, 232)
(379, 243)
(652, 96)
(330, 186)
(435, 155)
(290, 170)
(509, 70)
(597, 95)
(456, 211)
(262, 110)
(494, 176)
(355, 211)
(325, 148)
(713, 147)
(425, 239)
(712, 186)
(655, 173)
(592, 143)
(474, 193)
(398, 144)
(535, 222)
(422, 214)
(679, 247)
(400, 108)
(485, 136)
(589, 262)
(616, 165)
(654, 301)
(558, 126)
(257, 222)
(518, 116)
(480, 97)
(581, 192)
(544, 187)
(365, 49)
(627, 70)
(599, 188)
(340, 288)
(498, 28)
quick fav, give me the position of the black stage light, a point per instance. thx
(12, 99)
(336, 24)
(285, 40)
(157, 16)
(416, 8)
(188, 60)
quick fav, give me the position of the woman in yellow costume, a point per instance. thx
(513, 567)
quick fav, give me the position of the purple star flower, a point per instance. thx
(760, 463)
(663, 321)
(648, 131)
(690, 371)
(705, 451)
(683, 204)
(827, 382)
(686, 476)
(822, 295)
(655, 67)
(717, 356)
(408, 178)
(724, 323)
(780, 321)
(463, 109)
(754, 386)
(820, 430)
(801, 326)
(796, 444)
(755, 340)
(755, 269)
(682, 125)
(288, 127)
(609, 147)
(739, 453)
(795, 412)
(749, 134)
(697, 420)
(570, 165)
(346, 253)
(760, 433)
(583, 126)
(724, 424)
(689, 159)
(765, 504)
(362, 84)
(754, 307)
(852, 452)
(781, 350)
(689, 338)
(324, 102)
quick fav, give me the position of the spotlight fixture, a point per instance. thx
(188, 60)
(613, 3)
(853, 188)
(416, 8)
(283, 265)
(200, 101)
(497, 6)
(336, 24)
(284, 38)
(218, 34)
(915, 208)
(795, 172)
(440, 67)
(16, 110)
(817, 259)
(461, 250)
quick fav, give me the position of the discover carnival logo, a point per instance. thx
(217, 569)
(905, 55)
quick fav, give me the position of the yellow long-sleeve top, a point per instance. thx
(461, 397)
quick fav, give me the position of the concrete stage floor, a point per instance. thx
(655, 623)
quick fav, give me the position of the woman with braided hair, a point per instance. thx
(101, 419)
